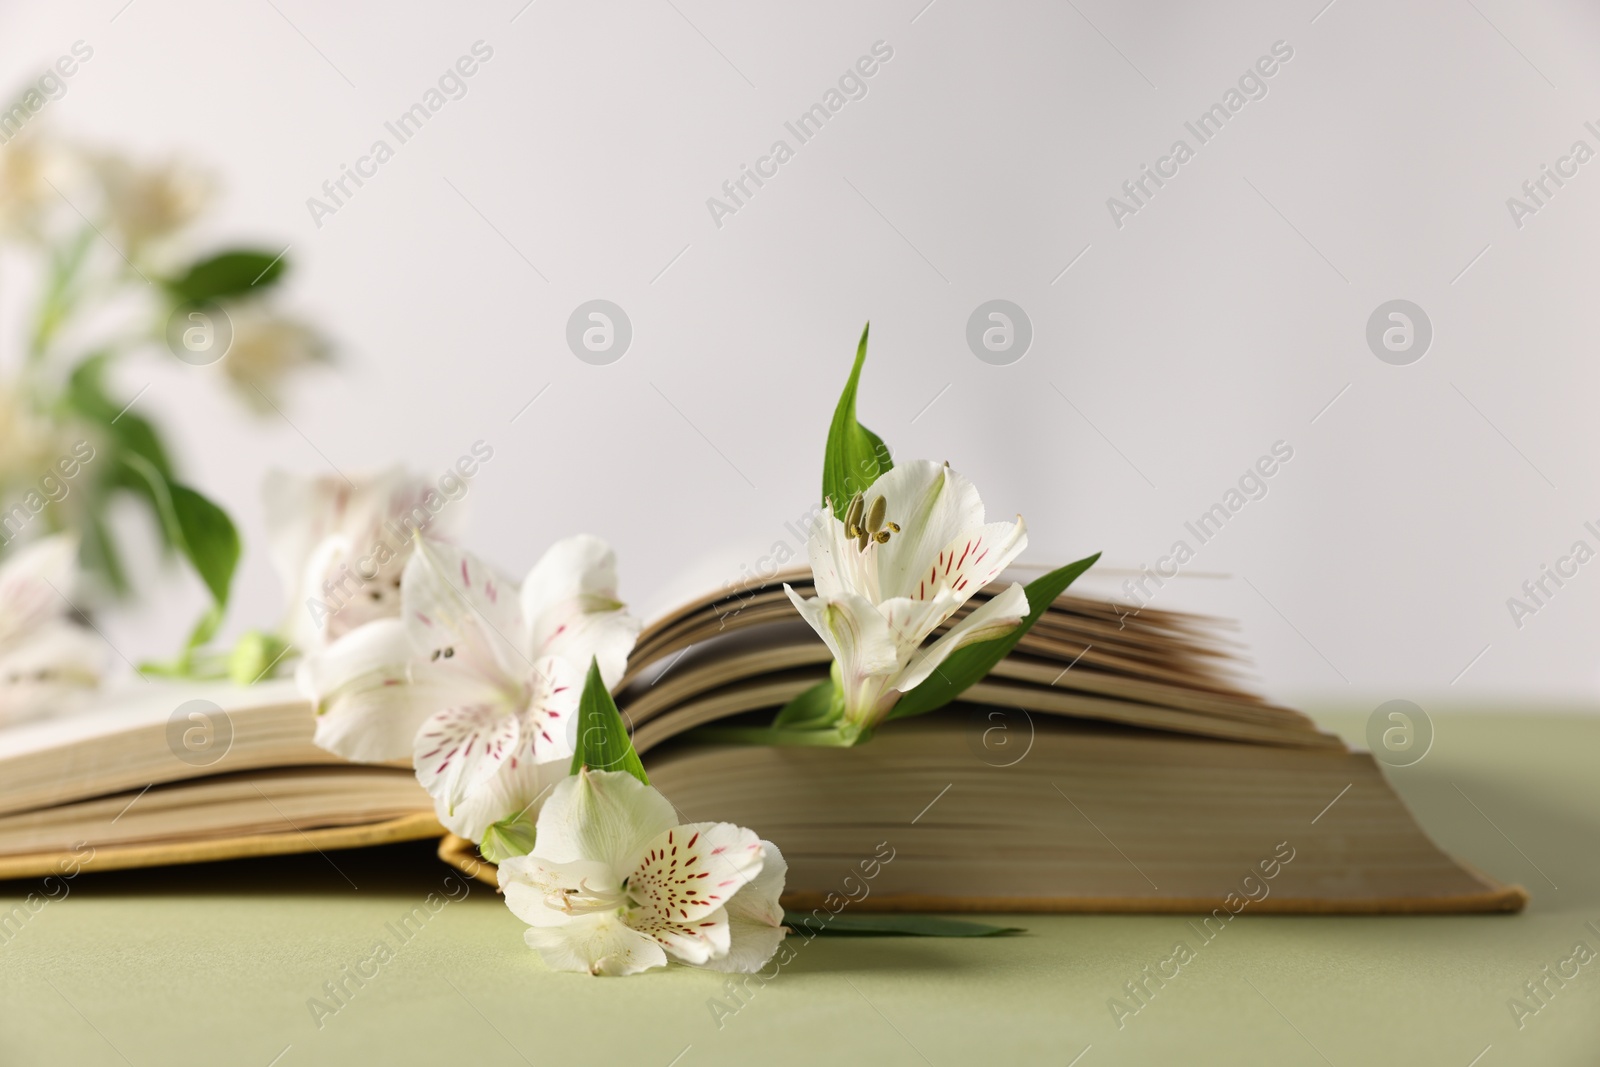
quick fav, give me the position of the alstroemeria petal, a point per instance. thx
(692, 870)
(544, 893)
(460, 748)
(974, 559)
(602, 815)
(751, 945)
(932, 505)
(376, 597)
(599, 944)
(518, 788)
(755, 918)
(570, 602)
(343, 545)
(758, 900)
(368, 699)
(993, 619)
(300, 512)
(696, 941)
(554, 688)
(852, 628)
(594, 629)
(36, 585)
(910, 621)
(838, 565)
(582, 565)
(49, 672)
(462, 614)
(860, 640)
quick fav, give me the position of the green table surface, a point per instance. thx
(217, 964)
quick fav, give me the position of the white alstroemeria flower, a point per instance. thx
(149, 202)
(616, 886)
(28, 165)
(341, 546)
(47, 664)
(914, 548)
(477, 681)
(268, 347)
(29, 443)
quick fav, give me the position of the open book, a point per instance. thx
(1112, 762)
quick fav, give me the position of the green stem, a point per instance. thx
(59, 297)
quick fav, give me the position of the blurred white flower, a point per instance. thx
(30, 164)
(148, 202)
(48, 665)
(29, 443)
(267, 347)
(341, 546)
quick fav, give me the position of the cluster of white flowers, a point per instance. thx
(45, 180)
(476, 679)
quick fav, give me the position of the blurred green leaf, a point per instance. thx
(855, 456)
(966, 666)
(205, 535)
(209, 539)
(100, 553)
(226, 274)
(87, 395)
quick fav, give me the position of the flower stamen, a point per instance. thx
(876, 530)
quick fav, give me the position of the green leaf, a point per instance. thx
(209, 540)
(603, 743)
(820, 706)
(965, 666)
(892, 926)
(512, 836)
(227, 274)
(86, 394)
(126, 434)
(100, 553)
(205, 535)
(855, 457)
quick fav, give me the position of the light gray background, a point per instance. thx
(1225, 316)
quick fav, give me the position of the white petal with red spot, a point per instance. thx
(555, 685)
(457, 608)
(755, 917)
(459, 749)
(996, 617)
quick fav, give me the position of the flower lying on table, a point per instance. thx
(615, 886)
